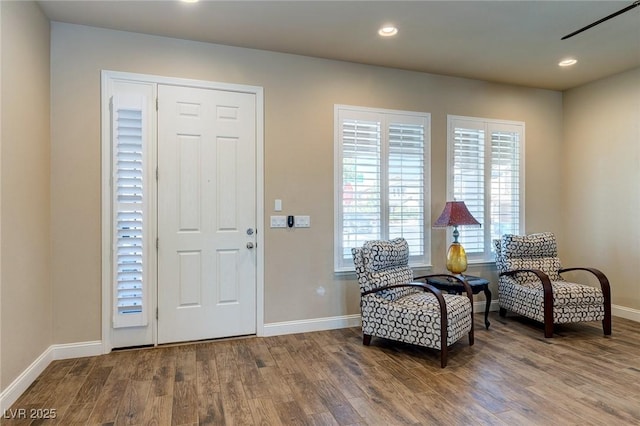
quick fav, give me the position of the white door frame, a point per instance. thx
(106, 78)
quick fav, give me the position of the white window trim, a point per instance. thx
(486, 259)
(339, 268)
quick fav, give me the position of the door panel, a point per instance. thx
(206, 203)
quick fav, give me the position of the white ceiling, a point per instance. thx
(516, 42)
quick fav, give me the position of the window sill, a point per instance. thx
(481, 262)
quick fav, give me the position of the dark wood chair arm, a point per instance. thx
(606, 293)
(544, 278)
(547, 295)
(423, 286)
(467, 289)
(602, 278)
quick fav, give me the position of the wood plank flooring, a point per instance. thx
(511, 376)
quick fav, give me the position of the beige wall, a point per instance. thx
(601, 181)
(25, 324)
(300, 93)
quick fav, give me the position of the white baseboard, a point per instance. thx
(52, 353)
(332, 323)
(624, 312)
(24, 380)
(77, 350)
(308, 325)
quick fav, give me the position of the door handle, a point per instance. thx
(249, 245)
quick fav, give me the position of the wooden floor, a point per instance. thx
(511, 376)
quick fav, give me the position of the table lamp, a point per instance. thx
(455, 213)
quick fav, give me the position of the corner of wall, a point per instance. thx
(25, 272)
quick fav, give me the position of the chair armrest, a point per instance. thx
(544, 278)
(606, 294)
(467, 289)
(602, 278)
(423, 286)
(547, 295)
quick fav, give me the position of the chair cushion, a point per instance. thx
(548, 265)
(415, 318)
(534, 251)
(384, 263)
(529, 246)
(392, 276)
(572, 302)
(380, 254)
(564, 292)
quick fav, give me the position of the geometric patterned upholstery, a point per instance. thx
(534, 251)
(410, 312)
(385, 263)
(522, 291)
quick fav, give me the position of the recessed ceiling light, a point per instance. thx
(567, 62)
(388, 31)
(190, 1)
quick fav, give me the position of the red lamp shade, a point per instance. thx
(455, 213)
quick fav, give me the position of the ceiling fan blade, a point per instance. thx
(606, 18)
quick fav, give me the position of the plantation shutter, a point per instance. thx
(406, 184)
(129, 199)
(505, 180)
(361, 182)
(469, 180)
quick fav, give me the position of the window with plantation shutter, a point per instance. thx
(485, 170)
(381, 180)
(407, 185)
(130, 233)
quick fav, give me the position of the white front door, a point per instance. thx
(206, 213)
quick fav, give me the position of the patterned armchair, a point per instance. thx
(397, 308)
(530, 284)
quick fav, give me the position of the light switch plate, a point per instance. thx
(302, 221)
(278, 221)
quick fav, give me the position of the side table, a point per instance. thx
(477, 285)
